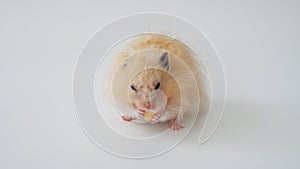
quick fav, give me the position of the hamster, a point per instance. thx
(149, 63)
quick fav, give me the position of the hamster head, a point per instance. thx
(146, 81)
(142, 85)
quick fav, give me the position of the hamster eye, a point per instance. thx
(157, 86)
(133, 88)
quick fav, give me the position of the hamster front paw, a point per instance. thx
(141, 114)
(155, 118)
(149, 116)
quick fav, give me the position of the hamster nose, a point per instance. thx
(147, 105)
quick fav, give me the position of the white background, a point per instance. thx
(258, 43)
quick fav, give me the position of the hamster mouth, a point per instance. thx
(147, 106)
(157, 101)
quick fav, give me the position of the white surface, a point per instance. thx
(257, 41)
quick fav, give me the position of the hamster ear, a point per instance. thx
(164, 61)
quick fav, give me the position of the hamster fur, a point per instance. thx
(143, 81)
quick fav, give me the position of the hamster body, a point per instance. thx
(153, 62)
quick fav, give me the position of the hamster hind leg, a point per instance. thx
(176, 124)
(174, 119)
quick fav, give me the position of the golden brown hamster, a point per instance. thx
(157, 69)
